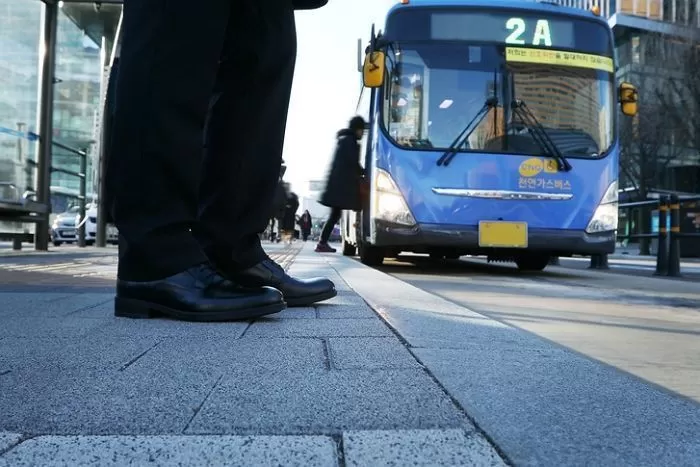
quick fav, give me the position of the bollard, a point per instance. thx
(16, 244)
(662, 249)
(554, 261)
(599, 262)
(674, 251)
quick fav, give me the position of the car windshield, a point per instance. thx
(434, 89)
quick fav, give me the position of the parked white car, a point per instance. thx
(64, 228)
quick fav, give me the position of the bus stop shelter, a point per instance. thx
(100, 20)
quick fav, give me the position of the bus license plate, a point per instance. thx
(498, 234)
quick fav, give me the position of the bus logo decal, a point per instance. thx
(531, 167)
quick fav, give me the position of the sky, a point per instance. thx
(326, 83)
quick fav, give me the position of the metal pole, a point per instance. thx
(21, 127)
(48, 66)
(661, 250)
(83, 199)
(599, 261)
(101, 233)
(102, 158)
(674, 251)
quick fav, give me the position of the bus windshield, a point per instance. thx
(435, 88)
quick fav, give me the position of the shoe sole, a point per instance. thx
(310, 299)
(140, 309)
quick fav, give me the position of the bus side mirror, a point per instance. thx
(628, 97)
(373, 69)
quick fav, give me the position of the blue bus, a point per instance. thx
(493, 130)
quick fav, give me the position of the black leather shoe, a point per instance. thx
(296, 292)
(197, 294)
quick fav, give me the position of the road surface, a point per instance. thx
(647, 326)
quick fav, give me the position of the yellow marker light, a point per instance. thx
(595, 9)
(404, 2)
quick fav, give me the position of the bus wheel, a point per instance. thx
(371, 255)
(349, 249)
(532, 263)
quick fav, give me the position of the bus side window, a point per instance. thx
(386, 101)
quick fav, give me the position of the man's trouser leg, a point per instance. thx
(169, 58)
(245, 131)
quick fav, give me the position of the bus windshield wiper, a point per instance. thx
(521, 110)
(445, 159)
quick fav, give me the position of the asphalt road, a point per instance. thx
(647, 326)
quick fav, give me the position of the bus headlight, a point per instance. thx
(389, 204)
(605, 216)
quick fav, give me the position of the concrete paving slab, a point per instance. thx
(344, 298)
(270, 327)
(327, 403)
(308, 312)
(235, 357)
(85, 402)
(54, 355)
(369, 353)
(153, 392)
(346, 310)
(14, 326)
(555, 408)
(174, 450)
(423, 319)
(418, 448)
(30, 303)
(540, 403)
(7, 440)
(164, 328)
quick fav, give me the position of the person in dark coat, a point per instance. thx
(289, 219)
(305, 225)
(187, 193)
(344, 180)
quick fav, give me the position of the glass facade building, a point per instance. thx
(84, 40)
(652, 37)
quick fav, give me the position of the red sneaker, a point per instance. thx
(324, 248)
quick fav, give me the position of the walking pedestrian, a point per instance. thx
(305, 225)
(344, 180)
(189, 217)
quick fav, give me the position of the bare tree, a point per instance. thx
(647, 151)
(679, 95)
(666, 127)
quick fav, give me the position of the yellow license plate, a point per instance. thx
(498, 234)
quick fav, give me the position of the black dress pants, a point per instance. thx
(201, 107)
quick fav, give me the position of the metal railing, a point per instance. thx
(81, 175)
(669, 235)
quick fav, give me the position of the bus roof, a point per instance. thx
(522, 5)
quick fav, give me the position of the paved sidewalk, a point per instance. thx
(325, 385)
(384, 374)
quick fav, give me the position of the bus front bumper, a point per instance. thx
(424, 237)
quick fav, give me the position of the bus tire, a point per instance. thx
(532, 263)
(371, 255)
(349, 249)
